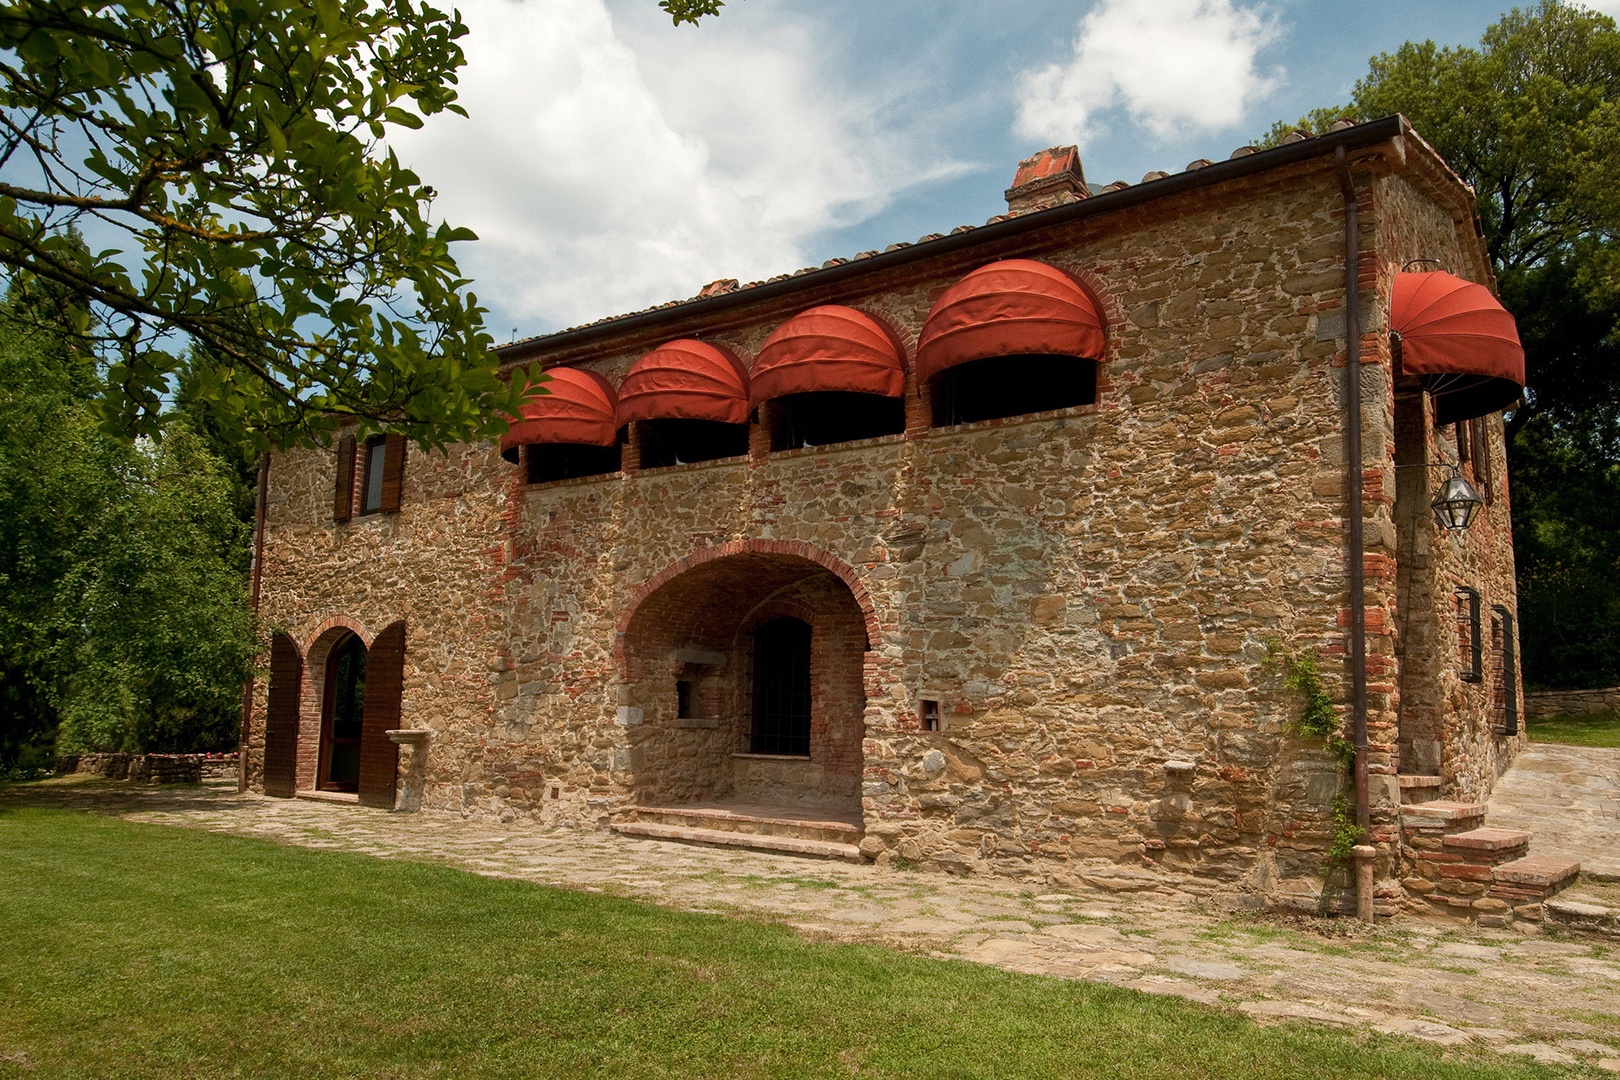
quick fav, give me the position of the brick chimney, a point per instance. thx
(1050, 178)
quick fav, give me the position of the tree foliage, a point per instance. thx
(228, 161)
(690, 11)
(123, 614)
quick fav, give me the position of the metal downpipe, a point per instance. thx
(1353, 462)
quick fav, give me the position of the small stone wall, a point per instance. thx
(1571, 702)
(152, 768)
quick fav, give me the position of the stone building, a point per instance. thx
(971, 552)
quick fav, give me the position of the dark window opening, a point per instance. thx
(1507, 669)
(682, 442)
(781, 688)
(569, 461)
(928, 714)
(1002, 386)
(342, 709)
(834, 416)
(371, 488)
(1468, 634)
(683, 699)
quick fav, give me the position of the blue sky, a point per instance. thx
(613, 161)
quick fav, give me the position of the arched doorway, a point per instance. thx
(342, 712)
(747, 675)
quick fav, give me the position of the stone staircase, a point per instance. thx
(1463, 868)
(786, 830)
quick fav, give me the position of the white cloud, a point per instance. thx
(600, 180)
(1173, 65)
(1607, 7)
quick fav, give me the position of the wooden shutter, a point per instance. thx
(281, 717)
(393, 472)
(385, 683)
(343, 498)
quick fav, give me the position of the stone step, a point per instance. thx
(1487, 847)
(759, 823)
(790, 845)
(1532, 879)
(1581, 913)
(1442, 815)
(1418, 789)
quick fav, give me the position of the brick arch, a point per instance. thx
(795, 548)
(336, 622)
(1108, 305)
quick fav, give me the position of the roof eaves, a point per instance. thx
(998, 228)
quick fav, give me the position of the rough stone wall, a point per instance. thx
(1448, 726)
(1571, 702)
(152, 768)
(1089, 591)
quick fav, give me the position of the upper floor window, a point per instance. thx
(371, 500)
(1003, 386)
(1011, 338)
(380, 465)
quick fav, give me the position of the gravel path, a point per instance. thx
(1557, 1000)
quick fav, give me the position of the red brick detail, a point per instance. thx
(337, 622)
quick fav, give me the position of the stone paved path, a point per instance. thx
(1555, 999)
(1569, 797)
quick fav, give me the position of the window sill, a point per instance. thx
(572, 481)
(833, 448)
(1071, 412)
(772, 757)
(691, 466)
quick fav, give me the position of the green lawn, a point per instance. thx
(141, 950)
(1598, 729)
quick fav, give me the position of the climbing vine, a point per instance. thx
(1318, 719)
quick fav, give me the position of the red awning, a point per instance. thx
(577, 407)
(1007, 308)
(686, 380)
(829, 348)
(1462, 341)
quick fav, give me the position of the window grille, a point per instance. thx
(1468, 633)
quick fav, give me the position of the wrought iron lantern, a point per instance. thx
(1456, 504)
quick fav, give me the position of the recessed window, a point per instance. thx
(667, 442)
(371, 491)
(1468, 634)
(1002, 386)
(834, 416)
(683, 699)
(569, 461)
(928, 717)
(1506, 690)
